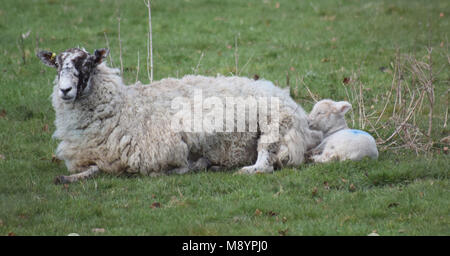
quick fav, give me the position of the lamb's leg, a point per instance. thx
(180, 170)
(318, 150)
(217, 168)
(262, 165)
(90, 172)
(200, 164)
(326, 156)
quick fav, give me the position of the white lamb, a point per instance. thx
(107, 126)
(340, 142)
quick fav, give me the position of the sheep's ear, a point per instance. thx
(100, 55)
(342, 107)
(48, 58)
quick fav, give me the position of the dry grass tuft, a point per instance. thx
(405, 120)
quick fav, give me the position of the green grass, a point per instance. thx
(322, 41)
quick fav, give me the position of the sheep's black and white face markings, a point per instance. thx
(75, 67)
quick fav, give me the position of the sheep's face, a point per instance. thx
(75, 67)
(328, 114)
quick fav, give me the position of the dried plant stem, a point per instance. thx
(111, 63)
(446, 117)
(248, 61)
(405, 120)
(362, 115)
(149, 44)
(198, 63)
(287, 79)
(446, 109)
(20, 45)
(37, 42)
(120, 49)
(137, 72)
(309, 92)
(373, 128)
(430, 91)
(352, 114)
(236, 54)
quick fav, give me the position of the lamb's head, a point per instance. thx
(328, 116)
(75, 67)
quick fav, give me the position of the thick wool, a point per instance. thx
(123, 128)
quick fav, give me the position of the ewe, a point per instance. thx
(340, 142)
(107, 126)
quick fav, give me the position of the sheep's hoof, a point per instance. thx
(60, 180)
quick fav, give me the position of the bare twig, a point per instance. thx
(149, 44)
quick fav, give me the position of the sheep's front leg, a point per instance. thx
(90, 172)
(262, 165)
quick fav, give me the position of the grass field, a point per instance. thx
(318, 44)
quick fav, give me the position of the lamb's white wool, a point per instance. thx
(340, 142)
(119, 128)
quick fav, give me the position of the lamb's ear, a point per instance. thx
(342, 107)
(48, 58)
(100, 55)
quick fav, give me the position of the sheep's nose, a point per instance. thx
(65, 91)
